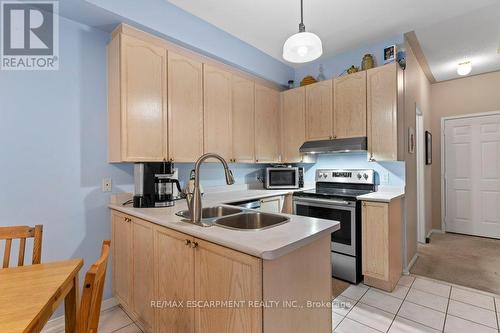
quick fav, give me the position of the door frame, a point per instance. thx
(420, 162)
(443, 157)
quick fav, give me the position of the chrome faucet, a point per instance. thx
(194, 199)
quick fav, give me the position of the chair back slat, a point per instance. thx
(21, 233)
(90, 305)
(22, 248)
(6, 253)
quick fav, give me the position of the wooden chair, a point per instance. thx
(90, 305)
(21, 233)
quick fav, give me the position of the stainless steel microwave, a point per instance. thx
(284, 177)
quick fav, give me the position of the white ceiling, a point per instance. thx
(474, 37)
(341, 24)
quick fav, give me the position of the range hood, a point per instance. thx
(334, 146)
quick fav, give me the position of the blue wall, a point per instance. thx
(165, 19)
(395, 170)
(334, 66)
(54, 148)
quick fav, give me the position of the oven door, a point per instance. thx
(282, 178)
(343, 211)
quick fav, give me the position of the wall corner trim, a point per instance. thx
(414, 44)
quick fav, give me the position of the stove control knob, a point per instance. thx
(365, 176)
(359, 176)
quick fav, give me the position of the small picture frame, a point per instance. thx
(411, 140)
(428, 148)
(389, 54)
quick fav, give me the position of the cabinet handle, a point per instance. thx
(127, 219)
(171, 159)
(364, 204)
(257, 161)
(194, 245)
(187, 242)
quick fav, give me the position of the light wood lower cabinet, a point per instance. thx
(142, 272)
(133, 283)
(272, 204)
(381, 243)
(121, 227)
(237, 277)
(174, 280)
(177, 283)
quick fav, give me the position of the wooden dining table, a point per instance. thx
(29, 295)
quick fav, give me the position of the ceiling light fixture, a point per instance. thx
(303, 46)
(464, 68)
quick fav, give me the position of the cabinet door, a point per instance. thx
(267, 124)
(271, 205)
(185, 108)
(142, 272)
(349, 115)
(293, 114)
(174, 273)
(121, 242)
(222, 274)
(319, 111)
(143, 100)
(375, 240)
(217, 112)
(243, 120)
(382, 105)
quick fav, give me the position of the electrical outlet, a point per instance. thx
(106, 185)
(385, 177)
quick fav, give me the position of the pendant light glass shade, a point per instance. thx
(303, 46)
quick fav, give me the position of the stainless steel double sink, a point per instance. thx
(237, 218)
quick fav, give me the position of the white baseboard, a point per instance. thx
(406, 271)
(434, 231)
(56, 325)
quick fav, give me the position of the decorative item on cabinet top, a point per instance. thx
(367, 62)
(307, 80)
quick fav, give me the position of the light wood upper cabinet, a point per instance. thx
(122, 263)
(293, 114)
(381, 243)
(267, 124)
(217, 93)
(238, 277)
(185, 108)
(243, 98)
(382, 103)
(349, 118)
(319, 111)
(142, 272)
(174, 275)
(137, 72)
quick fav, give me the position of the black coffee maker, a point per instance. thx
(155, 185)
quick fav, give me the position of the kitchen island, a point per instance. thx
(173, 276)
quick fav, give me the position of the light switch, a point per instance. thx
(106, 185)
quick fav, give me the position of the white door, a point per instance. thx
(472, 175)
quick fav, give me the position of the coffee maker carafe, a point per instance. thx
(155, 185)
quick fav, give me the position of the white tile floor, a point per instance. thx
(416, 305)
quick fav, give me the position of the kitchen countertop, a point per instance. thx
(384, 194)
(267, 244)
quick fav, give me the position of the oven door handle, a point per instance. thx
(325, 201)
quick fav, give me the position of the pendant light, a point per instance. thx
(303, 46)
